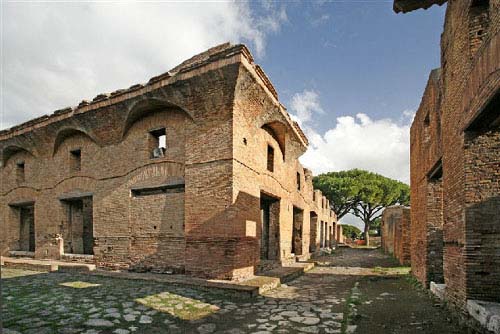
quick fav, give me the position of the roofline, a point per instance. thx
(223, 54)
(405, 6)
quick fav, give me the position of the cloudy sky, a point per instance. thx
(351, 72)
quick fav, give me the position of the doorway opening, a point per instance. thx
(314, 228)
(27, 228)
(78, 229)
(269, 238)
(298, 220)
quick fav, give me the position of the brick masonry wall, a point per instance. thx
(469, 81)
(214, 108)
(396, 233)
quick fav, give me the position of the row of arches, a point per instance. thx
(137, 111)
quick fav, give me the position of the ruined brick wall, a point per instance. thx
(396, 232)
(402, 238)
(425, 157)
(390, 219)
(196, 207)
(468, 188)
(113, 134)
(470, 63)
(260, 122)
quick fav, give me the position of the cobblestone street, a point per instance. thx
(335, 297)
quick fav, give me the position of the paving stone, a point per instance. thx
(99, 323)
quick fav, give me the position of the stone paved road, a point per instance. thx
(322, 301)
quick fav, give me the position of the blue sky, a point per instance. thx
(352, 73)
(360, 57)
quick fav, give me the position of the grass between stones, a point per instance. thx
(351, 310)
(392, 270)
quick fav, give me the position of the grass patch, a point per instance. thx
(414, 282)
(392, 270)
(79, 284)
(14, 272)
(178, 306)
(350, 310)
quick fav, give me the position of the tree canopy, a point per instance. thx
(362, 193)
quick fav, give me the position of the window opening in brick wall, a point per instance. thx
(20, 172)
(75, 163)
(479, 22)
(270, 158)
(299, 186)
(156, 190)
(158, 139)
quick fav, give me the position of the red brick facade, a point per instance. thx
(195, 171)
(455, 158)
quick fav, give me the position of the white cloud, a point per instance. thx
(360, 141)
(56, 54)
(305, 104)
(381, 146)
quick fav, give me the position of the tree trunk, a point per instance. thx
(367, 233)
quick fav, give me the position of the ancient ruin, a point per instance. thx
(395, 232)
(194, 172)
(455, 159)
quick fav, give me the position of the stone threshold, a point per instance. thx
(248, 288)
(45, 265)
(486, 313)
(438, 290)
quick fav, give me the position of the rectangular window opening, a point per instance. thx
(20, 172)
(270, 158)
(299, 186)
(157, 190)
(158, 142)
(75, 160)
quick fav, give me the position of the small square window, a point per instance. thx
(270, 158)
(20, 172)
(158, 143)
(75, 160)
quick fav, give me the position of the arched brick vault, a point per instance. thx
(67, 132)
(277, 130)
(143, 107)
(10, 150)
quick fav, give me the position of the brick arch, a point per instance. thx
(10, 150)
(67, 132)
(277, 130)
(144, 107)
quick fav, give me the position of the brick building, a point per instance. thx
(395, 232)
(455, 157)
(195, 171)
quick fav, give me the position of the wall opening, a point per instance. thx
(78, 229)
(270, 158)
(326, 235)
(482, 189)
(27, 228)
(479, 21)
(321, 235)
(20, 172)
(269, 237)
(330, 244)
(157, 143)
(298, 220)
(75, 160)
(299, 185)
(313, 233)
